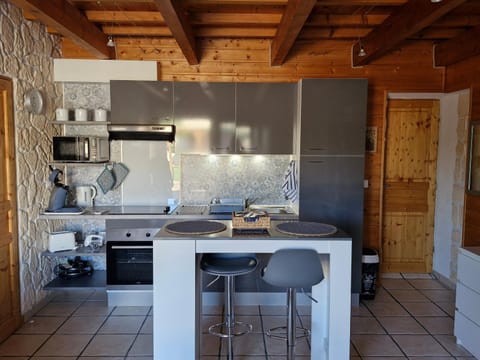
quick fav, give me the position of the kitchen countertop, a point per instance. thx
(144, 212)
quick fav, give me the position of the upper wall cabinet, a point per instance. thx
(265, 118)
(141, 102)
(333, 116)
(204, 117)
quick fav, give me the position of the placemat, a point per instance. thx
(195, 227)
(306, 228)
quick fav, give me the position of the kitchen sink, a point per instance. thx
(272, 209)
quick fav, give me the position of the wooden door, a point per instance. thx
(409, 185)
(10, 317)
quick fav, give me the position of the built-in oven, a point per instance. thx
(129, 264)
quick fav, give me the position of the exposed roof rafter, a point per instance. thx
(457, 49)
(412, 17)
(293, 19)
(70, 23)
(176, 20)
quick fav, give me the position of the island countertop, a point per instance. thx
(176, 315)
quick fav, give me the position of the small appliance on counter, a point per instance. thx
(87, 149)
(56, 204)
(61, 241)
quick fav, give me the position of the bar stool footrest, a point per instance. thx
(239, 328)
(280, 332)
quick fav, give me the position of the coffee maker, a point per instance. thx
(59, 194)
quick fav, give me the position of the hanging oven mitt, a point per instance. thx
(106, 180)
(120, 172)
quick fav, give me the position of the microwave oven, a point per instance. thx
(93, 149)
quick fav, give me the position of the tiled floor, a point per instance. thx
(410, 318)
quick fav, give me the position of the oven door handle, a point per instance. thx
(132, 247)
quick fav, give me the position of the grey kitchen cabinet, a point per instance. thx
(141, 102)
(204, 115)
(333, 113)
(265, 117)
(331, 191)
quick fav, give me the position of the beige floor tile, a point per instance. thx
(147, 327)
(93, 308)
(98, 296)
(401, 325)
(424, 309)
(209, 345)
(122, 325)
(64, 345)
(420, 345)
(395, 284)
(21, 345)
(391, 276)
(353, 351)
(270, 322)
(375, 345)
(72, 296)
(437, 325)
(273, 310)
(381, 295)
(212, 310)
(41, 325)
(449, 342)
(417, 276)
(58, 309)
(387, 309)
(138, 358)
(304, 309)
(440, 295)
(386, 358)
(432, 358)
(424, 284)
(102, 358)
(209, 320)
(109, 345)
(408, 296)
(365, 325)
(248, 344)
(279, 347)
(142, 346)
(448, 307)
(246, 310)
(131, 310)
(15, 357)
(52, 358)
(82, 325)
(360, 310)
(252, 320)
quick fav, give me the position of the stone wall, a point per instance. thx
(26, 56)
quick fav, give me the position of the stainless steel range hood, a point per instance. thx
(141, 110)
(141, 132)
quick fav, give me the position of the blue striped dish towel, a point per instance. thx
(290, 184)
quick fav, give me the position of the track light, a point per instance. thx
(435, 1)
(110, 42)
(361, 52)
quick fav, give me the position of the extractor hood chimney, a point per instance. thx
(141, 132)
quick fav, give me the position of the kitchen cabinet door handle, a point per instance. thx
(243, 148)
(316, 161)
(221, 148)
(317, 148)
(132, 247)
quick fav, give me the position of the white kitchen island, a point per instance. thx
(177, 284)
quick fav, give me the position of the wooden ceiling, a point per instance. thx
(376, 26)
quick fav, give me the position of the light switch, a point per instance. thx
(365, 183)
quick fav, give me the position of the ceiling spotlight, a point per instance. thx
(435, 1)
(361, 52)
(110, 42)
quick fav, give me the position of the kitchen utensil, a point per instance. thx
(85, 195)
(106, 180)
(120, 172)
(100, 115)
(81, 114)
(61, 114)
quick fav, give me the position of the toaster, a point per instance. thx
(61, 241)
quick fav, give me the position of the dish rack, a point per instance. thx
(259, 222)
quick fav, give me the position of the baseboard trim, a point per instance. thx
(444, 280)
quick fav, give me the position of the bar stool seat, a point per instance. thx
(292, 269)
(229, 266)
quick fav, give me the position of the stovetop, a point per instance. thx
(133, 210)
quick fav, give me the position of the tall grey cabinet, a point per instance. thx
(331, 131)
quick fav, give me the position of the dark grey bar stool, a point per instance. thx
(292, 269)
(229, 266)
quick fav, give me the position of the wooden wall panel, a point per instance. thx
(466, 75)
(249, 60)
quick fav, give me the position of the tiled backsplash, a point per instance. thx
(257, 177)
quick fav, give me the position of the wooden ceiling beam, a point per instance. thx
(181, 30)
(458, 48)
(412, 17)
(293, 19)
(70, 23)
(124, 16)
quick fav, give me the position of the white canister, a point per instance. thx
(81, 114)
(61, 114)
(100, 115)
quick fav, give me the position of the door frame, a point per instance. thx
(16, 320)
(388, 95)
